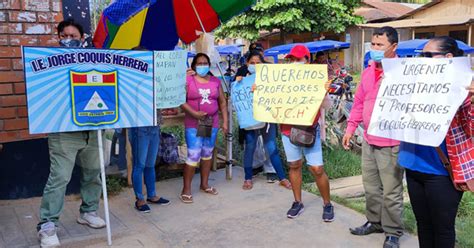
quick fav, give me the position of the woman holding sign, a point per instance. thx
(268, 132)
(204, 99)
(433, 196)
(313, 153)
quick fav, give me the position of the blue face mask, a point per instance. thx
(202, 70)
(251, 69)
(70, 43)
(377, 55)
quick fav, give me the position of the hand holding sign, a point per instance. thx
(242, 100)
(418, 98)
(289, 93)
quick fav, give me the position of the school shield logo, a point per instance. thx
(94, 98)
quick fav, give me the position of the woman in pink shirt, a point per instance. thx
(204, 99)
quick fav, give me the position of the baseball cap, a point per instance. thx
(299, 51)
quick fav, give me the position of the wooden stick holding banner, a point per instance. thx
(104, 187)
(419, 97)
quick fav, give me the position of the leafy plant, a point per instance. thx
(115, 184)
(291, 16)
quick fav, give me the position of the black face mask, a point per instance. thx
(70, 43)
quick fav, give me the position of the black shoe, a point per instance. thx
(272, 177)
(328, 213)
(161, 201)
(296, 209)
(255, 171)
(367, 229)
(391, 242)
(143, 208)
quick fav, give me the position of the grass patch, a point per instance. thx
(464, 220)
(115, 184)
(338, 163)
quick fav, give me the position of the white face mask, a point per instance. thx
(299, 62)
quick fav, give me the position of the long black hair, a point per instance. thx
(447, 44)
(195, 59)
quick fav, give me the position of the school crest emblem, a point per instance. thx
(94, 97)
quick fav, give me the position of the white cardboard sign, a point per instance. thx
(419, 97)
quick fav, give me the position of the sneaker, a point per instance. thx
(391, 242)
(162, 201)
(272, 177)
(367, 229)
(328, 213)
(47, 235)
(296, 209)
(91, 219)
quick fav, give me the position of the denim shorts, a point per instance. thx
(199, 147)
(313, 155)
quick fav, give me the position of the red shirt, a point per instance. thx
(286, 128)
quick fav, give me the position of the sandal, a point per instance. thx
(285, 183)
(248, 185)
(210, 190)
(186, 198)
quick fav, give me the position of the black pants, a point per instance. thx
(435, 203)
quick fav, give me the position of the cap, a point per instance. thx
(299, 51)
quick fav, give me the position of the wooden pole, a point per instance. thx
(469, 37)
(362, 50)
(129, 157)
(412, 33)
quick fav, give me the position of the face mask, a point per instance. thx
(70, 43)
(251, 69)
(377, 55)
(202, 70)
(299, 62)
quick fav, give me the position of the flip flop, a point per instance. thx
(285, 183)
(210, 190)
(248, 185)
(186, 198)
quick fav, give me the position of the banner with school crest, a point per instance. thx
(87, 89)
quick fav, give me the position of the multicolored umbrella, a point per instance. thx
(158, 24)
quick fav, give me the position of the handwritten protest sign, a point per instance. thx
(87, 89)
(242, 100)
(170, 78)
(289, 93)
(418, 98)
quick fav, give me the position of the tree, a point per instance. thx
(291, 16)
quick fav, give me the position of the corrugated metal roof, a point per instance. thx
(392, 9)
(422, 22)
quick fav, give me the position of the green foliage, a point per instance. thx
(291, 16)
(465, 221)
(115, 184)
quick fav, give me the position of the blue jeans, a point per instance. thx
(122, 158)
(269, 141)
(145, 143)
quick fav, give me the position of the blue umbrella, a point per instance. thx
(313, 46)
(229, 49)
(415, 47)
